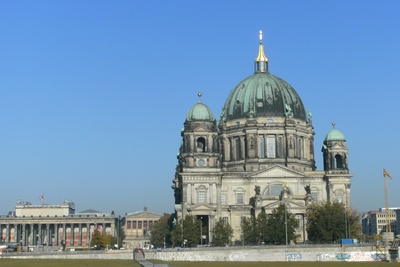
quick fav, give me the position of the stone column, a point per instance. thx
(88, 234)
(184, 198)
(31, 234)
(215, 198)
(192, 146)
(64, 234)
(227, 148)
(72, 235)
(48, 235)
(24, 234)
(209, 144)
(40, 241)
(7, 232)
(80, 235)
(210, 194)
(242, 147)
(189, 194)
(55, 234)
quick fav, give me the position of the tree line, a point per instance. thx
(327, 222)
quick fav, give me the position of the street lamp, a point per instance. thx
(201, 231)
(286, 235)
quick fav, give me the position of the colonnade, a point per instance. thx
(53, 234)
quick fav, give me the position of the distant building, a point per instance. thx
(374, 222)
(137, 228)
(54, 225)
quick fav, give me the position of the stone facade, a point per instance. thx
(137, 228)
(53, 225)
(259, 154)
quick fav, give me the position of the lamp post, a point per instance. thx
(201, 230)
(286, 235)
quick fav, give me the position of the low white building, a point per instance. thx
(54, 225)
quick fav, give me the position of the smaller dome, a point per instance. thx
(200, 112)
(334, 135)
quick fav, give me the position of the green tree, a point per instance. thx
(249, 231)
(262, 226)
(177, 235)
(161, 231)
(276, 231)
(191, 231)
(222, 233)
(329, 222)
(100, 241)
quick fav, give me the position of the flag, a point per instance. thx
(386, 174)
(41, 198)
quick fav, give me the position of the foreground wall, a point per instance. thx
(272, 254)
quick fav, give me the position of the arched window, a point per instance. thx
(238, 154)
(200, 144)
(300, 148)
(338, 162)
(274, 190)
(339, 196)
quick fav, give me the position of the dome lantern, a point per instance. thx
(263, 95)
(261, 63)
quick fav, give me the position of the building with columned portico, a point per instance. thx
(258, 154)
(54, 225)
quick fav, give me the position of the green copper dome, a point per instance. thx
(263, 94)
(200, 112)
(334, 135)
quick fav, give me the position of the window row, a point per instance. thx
(274, 190)
(268, 146)
(139, 224)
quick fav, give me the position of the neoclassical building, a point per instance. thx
(54, 225)
(137, 228)
(259, 154)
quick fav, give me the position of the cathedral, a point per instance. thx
(258, 154)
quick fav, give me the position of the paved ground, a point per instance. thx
(139, 257)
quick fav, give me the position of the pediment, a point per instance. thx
(201, 128)
(201, 207)
(277, 171)
(143, 214)
(338, 147)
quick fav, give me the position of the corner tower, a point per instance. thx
(197, 178)
(199, 148)
(335, 154)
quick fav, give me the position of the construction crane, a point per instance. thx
(387, 212)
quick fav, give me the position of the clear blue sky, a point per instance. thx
(93, 94)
